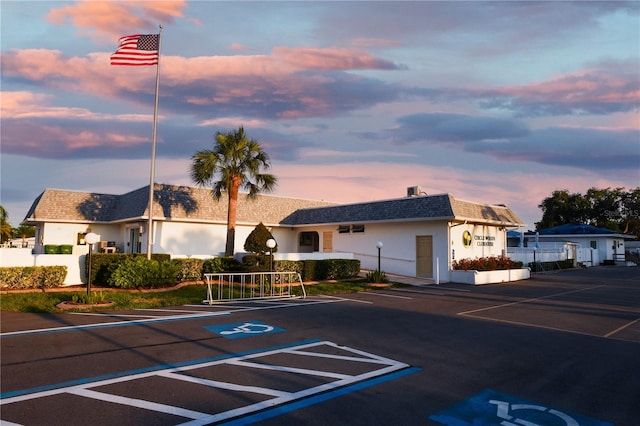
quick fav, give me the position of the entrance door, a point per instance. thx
(424, 256)
(134, 240)
(327, 242)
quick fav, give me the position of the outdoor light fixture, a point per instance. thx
(379, 246)
(91, 238)
(271, 243)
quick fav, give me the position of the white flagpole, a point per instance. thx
(153, 152)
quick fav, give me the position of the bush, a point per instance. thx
(550, 266)
(104, 264)
(20, 277)
(256, 241)
(330, 269)
(221, 264)
(189, 269)
(66, 249)
(140, 272)
(342, 268)
(491, 263)
(288, 266)
(377, 277)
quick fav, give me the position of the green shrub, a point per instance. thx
(140, 272)
(490, 263)
(256, 263)
(330, 269)
(256, 241)
(66, 249)
(221, 264)
(550, 266)
(189, 269)
(104, 264)
(21, 277)
(342, 268)
(377, 277)
(288, 266)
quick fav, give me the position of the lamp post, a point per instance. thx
(379, 246)
(91, 238)
(271, 243)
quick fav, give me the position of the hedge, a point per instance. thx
(189, 269)
(140, 272)
(104, 264)
(19, 277)
(310, 270)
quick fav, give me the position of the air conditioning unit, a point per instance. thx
(414, 191)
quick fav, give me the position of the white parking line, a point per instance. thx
(379, 367)
(369, 293)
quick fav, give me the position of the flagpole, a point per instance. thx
(153, 152)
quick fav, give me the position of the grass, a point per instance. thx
(45, 302)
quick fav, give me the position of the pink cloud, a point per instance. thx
(246, 80)
(611, 88)
(106, 19)
(330, 59)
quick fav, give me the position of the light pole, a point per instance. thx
(91, 238)
(271, 243)
(379, 246)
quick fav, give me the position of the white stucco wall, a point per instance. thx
(398, 254)
(485, 241)
(196, 239)
(67, 233)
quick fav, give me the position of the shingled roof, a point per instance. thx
(434, 207)
(184, 203)
(170, 203)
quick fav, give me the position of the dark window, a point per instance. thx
(357, 228)
(343, 229)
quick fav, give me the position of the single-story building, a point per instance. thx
(421, 235)
(609, 244)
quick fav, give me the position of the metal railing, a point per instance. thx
(252, 286)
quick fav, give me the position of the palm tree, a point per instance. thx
(5, 226)
(234, 162)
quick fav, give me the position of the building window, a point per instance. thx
(593, 244)
(357, 228)
(343, 229)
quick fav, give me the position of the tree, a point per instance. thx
(234, 162)
(614, 209)
(256, 241)
(562, 207)
(5, 226)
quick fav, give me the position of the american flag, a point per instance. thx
(137, 49)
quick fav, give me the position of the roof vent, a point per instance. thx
(414, 191)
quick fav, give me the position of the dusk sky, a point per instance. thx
(493, 102)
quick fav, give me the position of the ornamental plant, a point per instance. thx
(490, 263)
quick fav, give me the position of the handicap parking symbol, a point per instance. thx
(243, 329)
(491, 408)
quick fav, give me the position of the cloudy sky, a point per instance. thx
(495, 102)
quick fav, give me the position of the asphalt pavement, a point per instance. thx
(559, 349)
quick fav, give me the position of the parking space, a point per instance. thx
(203, 392)
(559, 349)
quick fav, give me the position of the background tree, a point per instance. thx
(234, 162)
(5, 226)
(614, 209)
(256, 241)
(562, 207)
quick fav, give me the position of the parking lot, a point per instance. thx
(558, 349)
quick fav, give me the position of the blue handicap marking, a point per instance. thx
(491, 408)
(239, 330)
